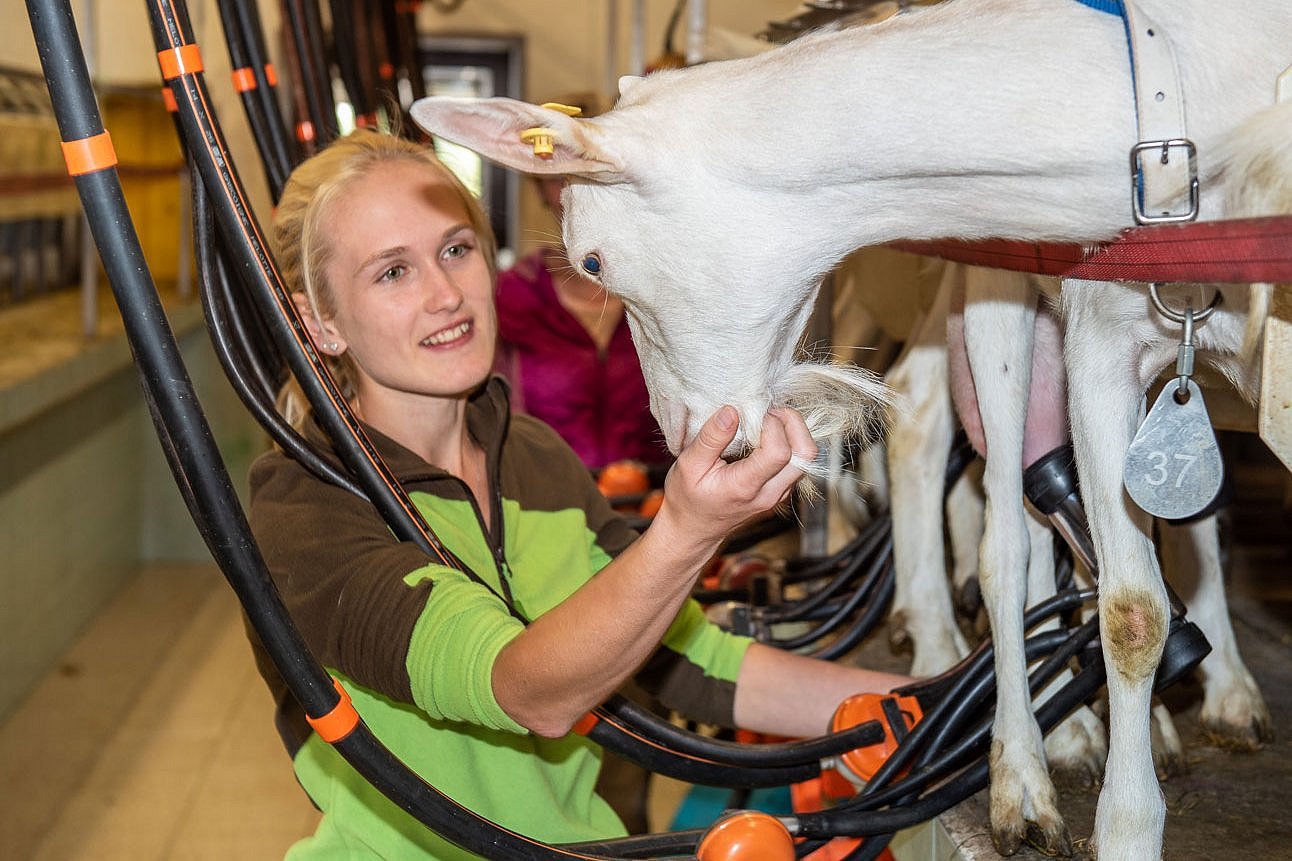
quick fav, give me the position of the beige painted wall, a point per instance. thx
(121, 51)
(566, 42)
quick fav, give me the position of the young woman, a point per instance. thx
(392, 266)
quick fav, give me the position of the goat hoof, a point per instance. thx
(1241, 723)
(969, 597)
(1168, 764)
(1052, 841)
(1006, 840)
(1245, 739)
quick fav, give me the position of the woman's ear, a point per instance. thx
(322, 332)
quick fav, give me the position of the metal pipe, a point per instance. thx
(696, 31)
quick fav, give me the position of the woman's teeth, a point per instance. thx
(448, 335)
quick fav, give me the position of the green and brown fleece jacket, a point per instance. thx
(414, 641)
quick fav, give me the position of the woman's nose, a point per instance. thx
(442, 293)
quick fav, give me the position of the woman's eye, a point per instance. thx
(591, 265)
(459, 249)
(390, 273)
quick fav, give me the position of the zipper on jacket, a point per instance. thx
(494, 540)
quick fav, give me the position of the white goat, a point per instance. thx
(714, 199)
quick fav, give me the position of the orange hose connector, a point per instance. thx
(184, 60)
(89, 154)
(338, 723)
(244, 79)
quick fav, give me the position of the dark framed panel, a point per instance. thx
(480, 66)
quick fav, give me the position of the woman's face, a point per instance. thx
(412, 291)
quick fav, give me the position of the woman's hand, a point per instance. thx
(705, 497)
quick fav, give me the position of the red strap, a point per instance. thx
(1238, 251)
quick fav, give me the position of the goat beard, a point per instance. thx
(838, 403)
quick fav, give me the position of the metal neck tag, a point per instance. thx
(1173, 466)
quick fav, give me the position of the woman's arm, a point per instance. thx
(792, 695)
(573, 657)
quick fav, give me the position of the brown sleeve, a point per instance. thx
(340, 571)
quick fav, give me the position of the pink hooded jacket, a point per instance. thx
(598, 403)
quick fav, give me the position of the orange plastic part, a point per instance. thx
(865, 761)
(586, 723)
(746, 836)
(305, 131)
(271, 76)
(168, 99)
(244, 79)
(651, 504)
(184, 60)
(338, 723)
(622, 478)
(89, 154)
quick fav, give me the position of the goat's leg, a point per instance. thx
(919, 441)
(999, 317)
(1077, 747)
(1233, 710)
(964, 513)
(1106, 385)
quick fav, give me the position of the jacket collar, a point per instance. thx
(488, 415)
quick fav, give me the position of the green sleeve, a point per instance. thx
(454, 645)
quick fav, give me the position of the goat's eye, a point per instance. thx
(591, 265)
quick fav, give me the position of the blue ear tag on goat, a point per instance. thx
(1173, 466)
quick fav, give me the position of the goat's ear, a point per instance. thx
(493, 128)
(627, 82)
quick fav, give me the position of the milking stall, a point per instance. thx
(732, 430)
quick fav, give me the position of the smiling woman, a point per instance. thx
(486, 669)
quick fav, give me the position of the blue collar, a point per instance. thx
(1112, 7)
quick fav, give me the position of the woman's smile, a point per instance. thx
(450, 337)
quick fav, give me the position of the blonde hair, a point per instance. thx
(303, 253)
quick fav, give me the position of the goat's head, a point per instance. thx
(717, 274)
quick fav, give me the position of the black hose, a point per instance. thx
(247, 56)
(254, 393)
(865, 622)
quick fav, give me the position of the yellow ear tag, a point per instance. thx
(541, 136)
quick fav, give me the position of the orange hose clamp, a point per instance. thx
(271, 76)
(888, 709)
(586, 723)
(244, 79)
(89, 154)
(168, 99)
(184, 60)
(746, 835)
(305, 131)
(338, 723)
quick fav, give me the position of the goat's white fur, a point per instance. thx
(717, 197)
